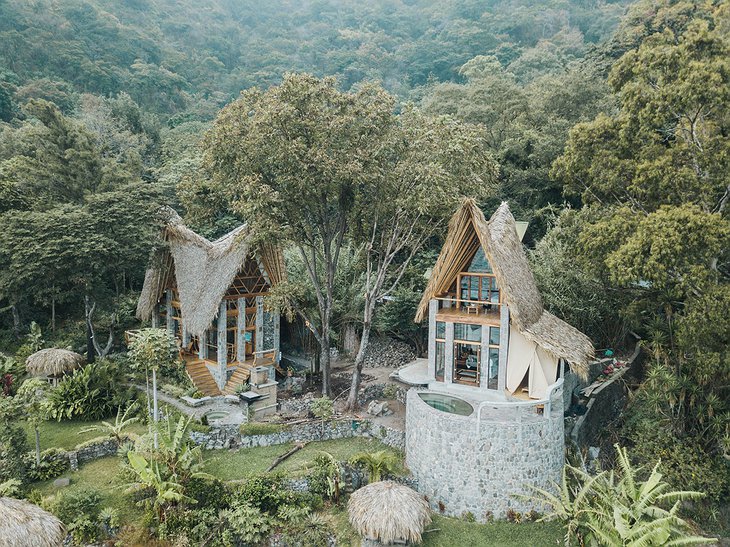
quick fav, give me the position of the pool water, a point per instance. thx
(447, 403)
(216, 414)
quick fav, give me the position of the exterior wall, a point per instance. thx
(480, 471)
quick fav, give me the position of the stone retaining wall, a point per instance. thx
(219, 438)
(462, 468)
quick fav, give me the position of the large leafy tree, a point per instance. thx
(653, 177)
(291, 161)
(427, 165)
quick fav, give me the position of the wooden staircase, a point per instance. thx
(240, 376)
(201, 377)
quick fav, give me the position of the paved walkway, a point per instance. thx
(236, 413)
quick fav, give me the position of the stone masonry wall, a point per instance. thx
(312, 431)
(461, 471)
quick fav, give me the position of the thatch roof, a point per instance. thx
(469, 230)
(203, 271)
(386, 511)
(23, 524)
(53, 361)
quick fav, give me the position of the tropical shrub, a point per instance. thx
(616, 508)
(90, 393)
(267, 493)
(377, 464)
(10, 488)
(79, 510)
(12, 372)
(53, 463)
(13, 442)
(324, 478)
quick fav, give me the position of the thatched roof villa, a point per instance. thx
(210, 294)
(491, 420)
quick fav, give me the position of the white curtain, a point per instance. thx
(525, 357)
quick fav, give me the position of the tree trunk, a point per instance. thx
(37, 445)
(16, 321)
(324, 362)
(367, 325)
(155, 414)
(90, 352)
(53, 314)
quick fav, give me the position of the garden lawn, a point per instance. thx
(66, 434)
(100, 475)
(227, 465)
(450, 531)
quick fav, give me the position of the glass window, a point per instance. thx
(469, 333)
(466, 364)
(479, 263)
(440, 360)
(493, 365)
(440, 329)
(493, 336)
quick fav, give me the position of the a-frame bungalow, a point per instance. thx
(210, 295)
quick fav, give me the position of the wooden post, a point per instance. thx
(259, 324)
(433, 307)
(222, 345)
(168, 308)
(241, 331)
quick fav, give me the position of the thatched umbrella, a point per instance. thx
(23, 524)
(53, 362)
(388, 512)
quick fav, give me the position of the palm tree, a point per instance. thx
(376, 463)
(121, 422)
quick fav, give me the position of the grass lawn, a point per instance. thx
(228, 465)
(449, 531)
(99, 475)
(67, 434)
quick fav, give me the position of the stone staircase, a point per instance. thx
(201, 377)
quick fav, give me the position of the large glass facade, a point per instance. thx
(467, 332)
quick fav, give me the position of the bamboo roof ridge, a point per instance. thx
(53, 361)
(469, 230)
(388, 512)
(23, 524)
(203, 271)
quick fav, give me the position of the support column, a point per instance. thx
(222, 349)
(241, 331)
(503, 346)
(185, 336)
(276, 317)
(433, 307)
(203, 345)
(259, 344)
(484, 359)
(449, 354)
(168, 308)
